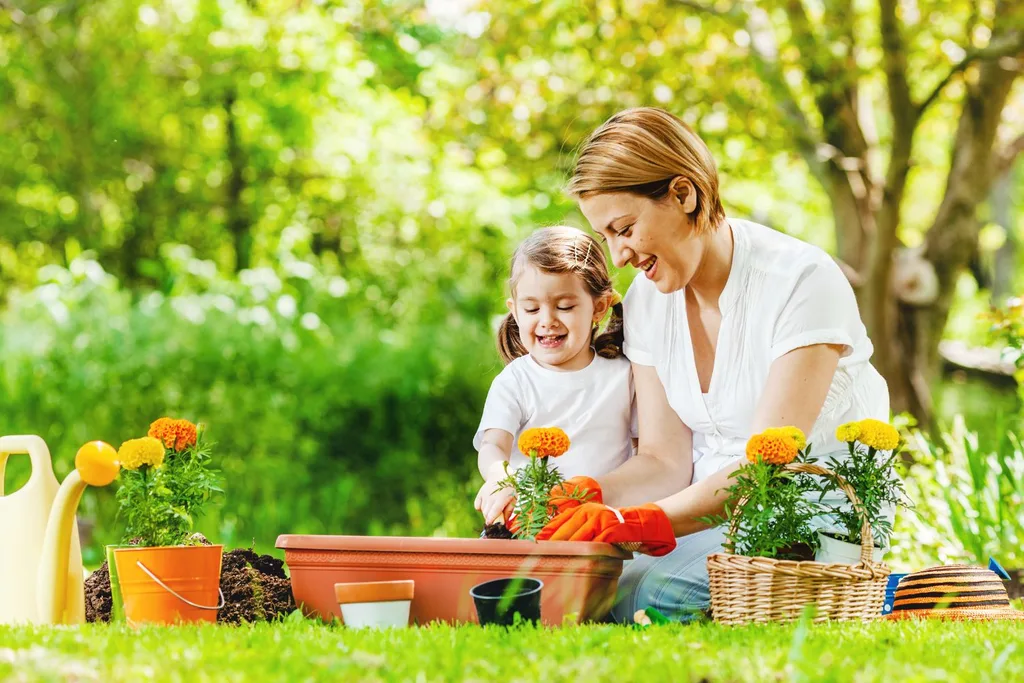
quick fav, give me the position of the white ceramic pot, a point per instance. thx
(833, 551)
(375, 604)
(388, 614)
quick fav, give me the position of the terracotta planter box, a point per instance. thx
(579, 578)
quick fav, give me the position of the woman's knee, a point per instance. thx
(676, 584)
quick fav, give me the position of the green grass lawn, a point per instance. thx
(702, 652)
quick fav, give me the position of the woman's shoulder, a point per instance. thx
(776, 252)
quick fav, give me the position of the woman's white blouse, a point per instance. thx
(781, 294)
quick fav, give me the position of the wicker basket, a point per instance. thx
(762, 589)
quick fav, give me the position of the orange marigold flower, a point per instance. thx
(794, 433)
(772, 448)
(545, 442)
(176, 435)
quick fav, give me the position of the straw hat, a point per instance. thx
(956, 591)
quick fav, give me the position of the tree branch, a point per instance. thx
(1011, 44)
(900, 103)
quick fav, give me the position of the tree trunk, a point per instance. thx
(949, 242)
(238, 226)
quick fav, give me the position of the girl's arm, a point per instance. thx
(797, 386)
(494, 453)
(663, 463)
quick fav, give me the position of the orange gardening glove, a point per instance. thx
(646, 529)
(560, 495)
(560, 498)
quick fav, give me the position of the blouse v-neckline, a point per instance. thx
(726, 303)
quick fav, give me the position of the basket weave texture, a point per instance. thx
(762, 589)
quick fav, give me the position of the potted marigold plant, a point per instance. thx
(534, 482)
(769, 510)
(166, 573)
(873, 448)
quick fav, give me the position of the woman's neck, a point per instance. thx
(708, 283)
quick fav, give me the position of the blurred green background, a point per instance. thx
(291, 220)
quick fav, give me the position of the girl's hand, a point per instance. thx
(492, 502)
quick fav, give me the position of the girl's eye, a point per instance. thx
(531, 310)
(566, 308)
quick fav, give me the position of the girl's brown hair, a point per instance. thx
(563, 249)
(642, 151)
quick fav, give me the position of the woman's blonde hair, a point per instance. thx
(562, 249)
(642, 151)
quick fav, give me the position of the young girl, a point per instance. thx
(559, 371)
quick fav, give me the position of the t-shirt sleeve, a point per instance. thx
(636, 347)
(503, 408)
(821, 309)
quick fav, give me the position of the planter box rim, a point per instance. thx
(466, 546)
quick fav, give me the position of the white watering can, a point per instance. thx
(40, 556)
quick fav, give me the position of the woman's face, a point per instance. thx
(653, 235)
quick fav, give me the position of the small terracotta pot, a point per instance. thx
(579, 578)
(375, 604)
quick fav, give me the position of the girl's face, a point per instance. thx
(556, 315)
(655, 236)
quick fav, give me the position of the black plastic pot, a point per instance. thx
(498, 601)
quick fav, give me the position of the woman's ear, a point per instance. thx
(681, 189)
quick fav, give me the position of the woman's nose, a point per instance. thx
(621, 253)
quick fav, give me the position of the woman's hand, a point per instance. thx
(645, 528)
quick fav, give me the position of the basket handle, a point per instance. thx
(867, 541)
(175, 593)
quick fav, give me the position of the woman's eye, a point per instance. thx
(625, 231)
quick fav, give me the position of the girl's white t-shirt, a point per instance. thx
(595, 407)
(781, 294)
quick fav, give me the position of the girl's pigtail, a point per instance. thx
(608, 344)
(510, 346)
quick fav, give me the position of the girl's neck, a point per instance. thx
(708, 283)
(578, 362)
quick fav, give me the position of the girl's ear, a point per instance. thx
(601, 306)
(512, 308)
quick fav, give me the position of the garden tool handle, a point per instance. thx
(175, 593)
(866, 540)
(37, 452)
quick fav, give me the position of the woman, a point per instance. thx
(731, 328)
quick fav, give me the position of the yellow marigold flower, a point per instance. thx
(135, 453)
(546, 442)
(878, 435)
(849, 432)
(794, 433)
(176, 435)
(773, 448)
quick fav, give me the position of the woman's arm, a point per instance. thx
(664, 460)
(794, 393)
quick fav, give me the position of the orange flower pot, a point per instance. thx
(171, 584)
(579, 578)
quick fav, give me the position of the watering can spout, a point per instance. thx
(95, 465)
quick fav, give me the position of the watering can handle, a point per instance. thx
(175, 594)
(37, 451)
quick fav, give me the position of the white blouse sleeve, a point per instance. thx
(503, 408)
(635, 346)
(821, 309)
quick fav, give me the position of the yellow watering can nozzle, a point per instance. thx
(97, 463)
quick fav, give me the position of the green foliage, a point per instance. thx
(159, 505)
(975, 652)
(771, 510)
(873, 478)
(532, 484)
(969, 500)
(329, 418)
